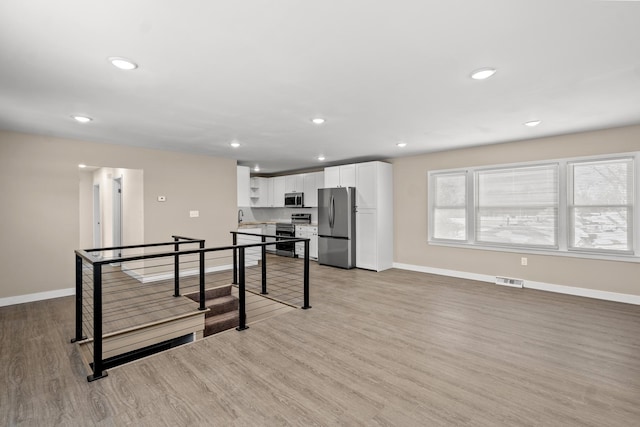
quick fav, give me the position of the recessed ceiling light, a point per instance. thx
(123, 63)
(82, 166)
(318, 120)
(483, 73)
(235, 144)
(401, 144)
(82, 119)
(256, 168)
(321, 158)
(533, 123)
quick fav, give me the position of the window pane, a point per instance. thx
(517, 226)
(450, 190)
(449, 207)
(602, 197)
(518, 187)
(450, 224)
(602, 183)
(518, 206)
(601, 228)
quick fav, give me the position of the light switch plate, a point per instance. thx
(194, 214)
(162, 198)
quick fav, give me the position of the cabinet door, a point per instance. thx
(332, 177)
(265, 184)
(366, 239)
(271, 230)
(313, 243)
(269, 189)
(243, 186)
(278, 192)
(294, 183)
(348, 175)
(310, 190)
(366, 185)
(252, 255)
(300, 232)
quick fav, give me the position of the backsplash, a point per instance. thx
(276, 214)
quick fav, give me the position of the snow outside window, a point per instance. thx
(449, 207)
(601, 205)
(518, 206)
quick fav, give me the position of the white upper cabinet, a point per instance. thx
(340, 176)
(278, 191)
(293, 183)
(312, 181)
(348, 176)
(367, 178)
(243, 186)
(332, 177)
(269, 189)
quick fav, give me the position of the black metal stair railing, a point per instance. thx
(108, 285)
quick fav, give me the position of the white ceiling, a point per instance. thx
(257, 71)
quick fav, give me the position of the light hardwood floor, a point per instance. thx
(392, 348)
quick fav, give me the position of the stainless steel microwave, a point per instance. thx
(294, 200)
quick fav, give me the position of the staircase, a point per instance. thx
(223, 309)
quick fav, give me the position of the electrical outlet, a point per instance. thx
(524, 261)
(194, 214)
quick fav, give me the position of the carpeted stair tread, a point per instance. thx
(220, 322)
(221, 305)
(213, 293)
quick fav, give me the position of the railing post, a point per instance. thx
(235, 259)
(202, 305)
(97, 325)
(264, 267)
(242, 313)
(306, 275)
(79, 336)
(176, 269)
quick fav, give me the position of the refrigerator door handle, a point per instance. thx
(332, 212)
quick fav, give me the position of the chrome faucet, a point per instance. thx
(240, 215)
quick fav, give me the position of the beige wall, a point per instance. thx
(410, 193)
(40, 181)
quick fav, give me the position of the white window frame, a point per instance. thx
(564, 231)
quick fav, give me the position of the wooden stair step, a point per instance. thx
(221, 322)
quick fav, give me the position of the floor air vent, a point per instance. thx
(508, 281)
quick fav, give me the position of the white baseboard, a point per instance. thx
(549, 287)
(39, 296)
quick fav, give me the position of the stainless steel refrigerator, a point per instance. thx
(337, 226)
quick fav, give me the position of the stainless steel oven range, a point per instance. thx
(288, 229)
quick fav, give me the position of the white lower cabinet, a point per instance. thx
(310, 232)
(313, 243)
(367, 244)
(251, 255)
(270, 229)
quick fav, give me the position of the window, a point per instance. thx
(580, 206)
(601, 206)
(518, 206)
(450, 210)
